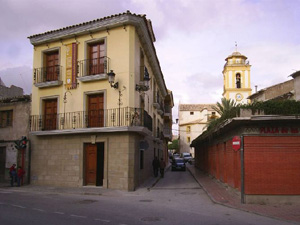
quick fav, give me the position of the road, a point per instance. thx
(175, 200)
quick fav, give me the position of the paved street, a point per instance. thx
(175, 199)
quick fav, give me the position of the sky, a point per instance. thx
(193, 38)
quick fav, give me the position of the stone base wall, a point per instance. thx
(58, 160)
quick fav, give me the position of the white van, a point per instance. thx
(186, 156)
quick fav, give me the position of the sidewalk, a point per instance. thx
(224, 196)
(83, 190)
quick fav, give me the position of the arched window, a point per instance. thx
(238, 80)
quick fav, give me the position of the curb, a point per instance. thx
(233, 207)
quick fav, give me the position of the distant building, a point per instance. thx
(9, 92)
(236, 74)
(296, 77)
(286, 90)
(193, 119)
(14, 123)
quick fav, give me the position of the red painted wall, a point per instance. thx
(220, 161)
(272, 165)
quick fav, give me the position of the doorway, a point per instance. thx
(2, 163)
(94, 164)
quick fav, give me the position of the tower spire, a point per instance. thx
(235, 46)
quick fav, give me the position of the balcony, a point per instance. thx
(168, 113)
(49, 76)
(156, 105)
(237, 62)
(168, 133)
(92, 69)
(119, 117)
(160, 109)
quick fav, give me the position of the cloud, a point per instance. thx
(18, 76)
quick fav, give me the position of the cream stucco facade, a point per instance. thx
(76, 112)
(192, 122)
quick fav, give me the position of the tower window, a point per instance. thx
(188, 129)
(238, 80)
(188, 139)
(191, 113)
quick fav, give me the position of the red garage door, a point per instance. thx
(272, 165)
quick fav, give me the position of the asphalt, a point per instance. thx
(218, 193)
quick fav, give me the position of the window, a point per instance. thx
(188, 139)
(96, 58)
(157, 97)
(157, 129)
(191, 113)
(188, 129)
(6, 118)
(142, 65)
(213, 116)
(238, 80)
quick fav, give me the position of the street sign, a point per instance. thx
(236, 143)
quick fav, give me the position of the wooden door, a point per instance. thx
(52, 66)
(96, 58)
(90, 164)
(50, 114)
(96, 110)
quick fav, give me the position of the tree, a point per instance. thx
(174, 145)
(226, 109)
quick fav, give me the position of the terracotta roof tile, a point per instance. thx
(195, 107)
(90, 22)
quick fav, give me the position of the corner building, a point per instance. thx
(98, 104)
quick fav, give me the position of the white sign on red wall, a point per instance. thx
(236, 143)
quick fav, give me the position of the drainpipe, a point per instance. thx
(242, 172)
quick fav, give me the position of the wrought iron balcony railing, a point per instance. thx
(168, 133)
(93, 118)
(89, 67)
(47, 74)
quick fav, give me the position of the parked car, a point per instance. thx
(176, 155)
(178, 164)
(187, 157)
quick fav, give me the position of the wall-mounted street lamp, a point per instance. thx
(111, 79)
(144, 85)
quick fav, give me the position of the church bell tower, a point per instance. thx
(236, 74)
